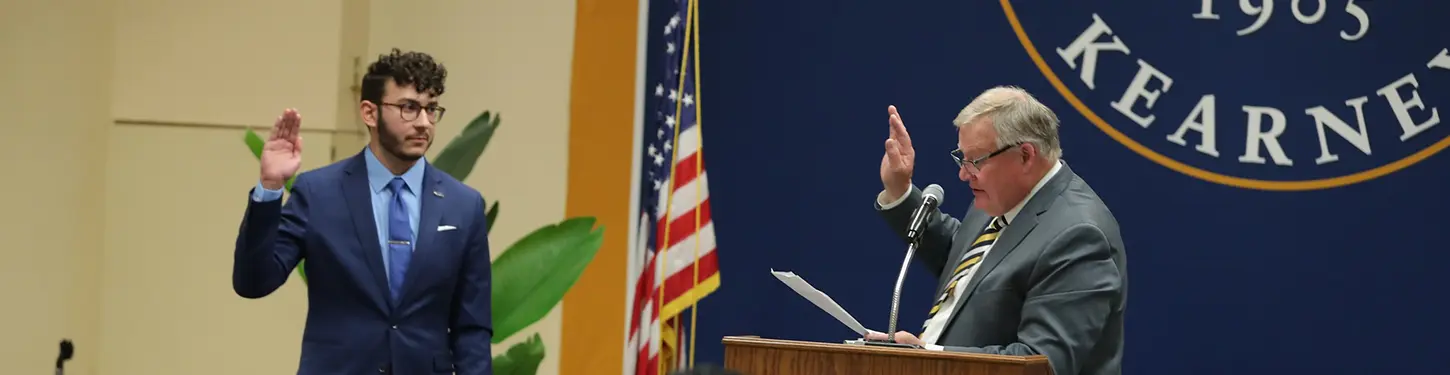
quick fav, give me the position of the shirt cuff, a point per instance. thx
(262, 194)
(881, 198)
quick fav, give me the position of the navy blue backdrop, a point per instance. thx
(1227, 276)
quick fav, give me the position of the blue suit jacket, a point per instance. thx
(440, 324)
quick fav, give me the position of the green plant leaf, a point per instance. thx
(255, 143)
(532, 275)
(521, 359)
(492, 216)
(461, 154)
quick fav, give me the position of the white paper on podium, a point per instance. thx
(800, 286)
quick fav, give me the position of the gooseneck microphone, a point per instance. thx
(931, 199)
(67, 350)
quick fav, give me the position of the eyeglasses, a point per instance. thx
(409, 110)
(975, 165)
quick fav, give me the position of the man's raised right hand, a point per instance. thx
(282, 154)
(900, 158)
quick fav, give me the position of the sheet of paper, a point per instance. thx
(800, 286)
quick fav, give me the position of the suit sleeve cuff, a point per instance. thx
(262, 194)
(881, 198)
(933, 347)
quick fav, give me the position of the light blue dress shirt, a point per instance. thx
(378, 177)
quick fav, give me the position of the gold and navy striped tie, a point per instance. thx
(974, 256)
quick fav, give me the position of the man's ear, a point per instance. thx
(368, 112)
(1029, 150)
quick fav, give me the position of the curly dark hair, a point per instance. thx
(405, 68)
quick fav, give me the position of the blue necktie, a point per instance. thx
(400, 238)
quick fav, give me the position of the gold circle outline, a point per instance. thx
(1175, 165)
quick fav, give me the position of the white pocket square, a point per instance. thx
(446, 228)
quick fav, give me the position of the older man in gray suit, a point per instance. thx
(1037, 265)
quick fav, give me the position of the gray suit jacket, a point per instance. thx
(1055, 283)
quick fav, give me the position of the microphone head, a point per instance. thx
(67, 350)
(933, 191)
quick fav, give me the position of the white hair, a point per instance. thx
(1018, 118)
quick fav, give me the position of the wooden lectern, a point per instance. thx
(753, 355)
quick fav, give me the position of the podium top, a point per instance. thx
(1009, 360)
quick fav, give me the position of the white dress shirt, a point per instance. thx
(933, 327)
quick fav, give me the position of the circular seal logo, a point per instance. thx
(1256, 94)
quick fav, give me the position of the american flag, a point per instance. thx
(674, 181)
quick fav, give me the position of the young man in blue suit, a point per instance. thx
(397, 252)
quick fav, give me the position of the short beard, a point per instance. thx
(392, 143)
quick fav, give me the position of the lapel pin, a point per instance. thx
(440, 195)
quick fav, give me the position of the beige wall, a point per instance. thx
(121, 234)
(56, 68)
(174, 195)
(171, 219)
(226, 61)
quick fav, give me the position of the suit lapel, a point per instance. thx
(432, 198)
(1010, 238)
(1016, 230)
(360, 204)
